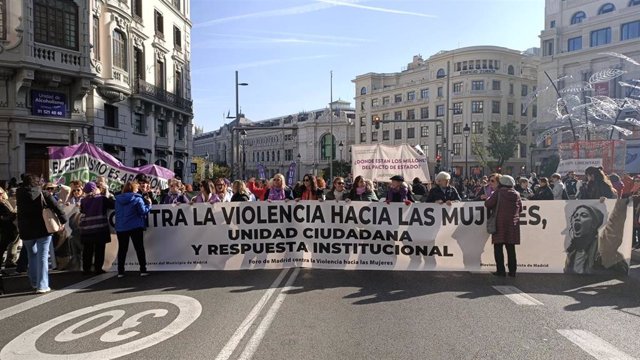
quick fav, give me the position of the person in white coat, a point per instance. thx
(558, 186)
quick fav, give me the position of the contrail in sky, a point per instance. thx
(373, 8)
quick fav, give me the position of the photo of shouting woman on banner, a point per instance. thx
(590, 252)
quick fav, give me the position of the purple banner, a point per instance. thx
(46, 103)
(261, 172)
(291, 174)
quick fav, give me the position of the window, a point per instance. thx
(578, 17)
(477, 107)
(110, 116)
(160, 74)
(386, 116)
(178, 83)
(3, 20)
(363, 91)
(600, 37)
(138, 123)
(477, 85)
(523, 129)
(457, 149)
(327, 147)
(574, 44)
(511, 89)
(524, 90)
(411, 133)
(180, 133)
(177, 38)
(523, 110)
(457, 88)
(438, 129)
(495, 85)
(477, 127)
(630, 30)
(424, 131)
(363, 120)
(495, 107)
(509, 108)
(411, 114)
(363, 137)
(374, 135)
(96, 34)
(386, 100)
(176, 4)
(374, 102)
(424, 113)
(397, 134)
(136, 9)
(411, 95)
(397, 98)
(552, 24)
(397, 115)
(439, 110)
(457, 108)
(440, 91)
(440, 74)
(457, 128)
(361, 107)
(634, 2)
(484, 64)
(385, 135)
(547, 48)
(158, 24)
(55, 22)
(606, 8)
(534, 110)
(138, 64)
(424, 94)
(119, 50)
(161, 128)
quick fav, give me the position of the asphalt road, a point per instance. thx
(323, 314)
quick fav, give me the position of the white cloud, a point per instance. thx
(374, 8)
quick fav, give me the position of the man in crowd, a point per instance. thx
(571, 185)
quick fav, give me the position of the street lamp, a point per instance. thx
(206, 166)
(243, 136)
(237, 117)
(340, 146)
(298, 157)
(466, 131)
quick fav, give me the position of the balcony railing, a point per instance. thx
(151, 91)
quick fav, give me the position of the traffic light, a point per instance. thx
(376, 122)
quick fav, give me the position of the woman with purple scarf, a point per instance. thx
(361, 191)
(175, 194)
(207, 193)
(278, 190)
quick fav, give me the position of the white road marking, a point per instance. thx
(517, 296)
(594, 345)
(262, 329)
(42, 299)
(237, 336)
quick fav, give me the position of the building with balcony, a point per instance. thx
(578, 40)
(309, 142)
(431, 101)
(111, 72)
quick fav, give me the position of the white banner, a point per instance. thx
(588, 235)
(381, 162)
(578, 166)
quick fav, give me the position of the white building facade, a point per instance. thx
(118, 73)
(474, 86)
(310, 139)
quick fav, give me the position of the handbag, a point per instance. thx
(50, 218)
(492, 220)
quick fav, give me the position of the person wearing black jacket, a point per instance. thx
(443, 192)
(31, 200)
(543, 192)
(418, 188)
(94, 227)
(240, 192)
(145, 188)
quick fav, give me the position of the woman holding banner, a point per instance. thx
(505, 201)
(337, 192)
(207, 193)
(278, 191)
(361, 191)
(309, 189)
(443, 192)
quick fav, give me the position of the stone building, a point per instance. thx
(112, 72)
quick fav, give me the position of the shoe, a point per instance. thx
(144, 273)
(120, 276)
(43, 291)
(512, 274)
(500, 274)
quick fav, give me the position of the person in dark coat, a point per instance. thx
(360, 191)
(597, 187)
(145, 188)
(398, 191)
(506, 201)
(31, 200)
(94, 227)
(443, 192)
(418, 188)
(131, 212)
(543, 192)
(337, 191)
(240, 192)
(175, 194)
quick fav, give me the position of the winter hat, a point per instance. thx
(90, 187)
(507, 180)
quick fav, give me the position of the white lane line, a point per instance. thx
(42, 299)
(517, 296)
(262, 329)
(594, 345)
(237, 336)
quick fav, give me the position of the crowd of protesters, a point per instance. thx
(82, 245)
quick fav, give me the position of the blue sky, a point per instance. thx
(285, 49)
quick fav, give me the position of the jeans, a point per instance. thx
(38, 253)
(511, 258)
(136, 236)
